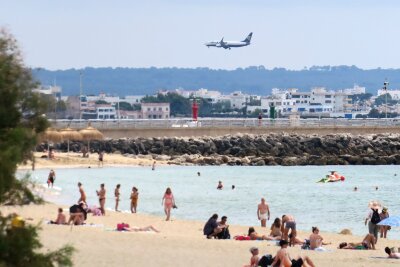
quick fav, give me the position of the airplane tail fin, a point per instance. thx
(248, 38)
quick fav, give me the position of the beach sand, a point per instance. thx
(180, 242)
(75, 160)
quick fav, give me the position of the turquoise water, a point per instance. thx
(288, 190)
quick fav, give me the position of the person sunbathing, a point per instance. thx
(392, 255)
(367, 243)
(276, 229)
(255, 236)
(293, 240)
(316, 240)
(60, 218)
(126, 227)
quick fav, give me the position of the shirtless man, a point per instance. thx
(263, 212)
(316, 240)
(82, 192)
(102, 199)
(283, 257)
(117, 194)
(288, 222)
(101, 158)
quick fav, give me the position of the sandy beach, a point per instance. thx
(75, 160)
(180, 242)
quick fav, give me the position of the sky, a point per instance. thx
(156, 33)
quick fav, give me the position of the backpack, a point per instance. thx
(375, 216)
(266, 260)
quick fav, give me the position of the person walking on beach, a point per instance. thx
(102, 199)
(288, 223)
(373, 218)
(101, 158)
(117, 195)
(153, 167)
(134, 199)
(82, 198)
(169, 202)
(263, 212)
(51, 178)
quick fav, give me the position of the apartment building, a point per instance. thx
(156, 110)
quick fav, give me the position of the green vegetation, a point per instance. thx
(21, 121)
(381, 100)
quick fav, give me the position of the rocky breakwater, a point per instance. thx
(258, 150)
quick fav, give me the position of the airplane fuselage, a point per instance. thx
(230, 44)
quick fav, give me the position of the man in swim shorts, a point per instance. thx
(263, 212)
(288, 223)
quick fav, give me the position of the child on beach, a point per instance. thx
(254, 257)
(134, 199)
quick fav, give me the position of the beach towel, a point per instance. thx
(242, 237)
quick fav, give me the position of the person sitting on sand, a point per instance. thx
(288, 223)
(367, 243)
(254, 257)
(60, 218)
(293, 240)
(276, 229)
(224, 234)
(283, 257)
(255, 236)
(392, 255)
(316, 240)
(211, 228)
(126, 227)
(77, 214)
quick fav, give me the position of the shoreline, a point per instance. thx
(179, 243)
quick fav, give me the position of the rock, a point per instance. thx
(346, 232)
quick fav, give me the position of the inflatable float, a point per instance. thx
(333, 177)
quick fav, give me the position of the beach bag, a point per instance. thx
(375, 216)
(266, 260)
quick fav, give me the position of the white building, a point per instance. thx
(395, 94)
(132, 99)
(55, 91)
(102, 96)
(156, 110)
(356, 90)
(210, 96)
(238, 99)
(105, 111)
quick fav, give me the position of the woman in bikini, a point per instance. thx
(276, 229)
(367, 243)
(168, 201)
(102, 199)
(134, 199)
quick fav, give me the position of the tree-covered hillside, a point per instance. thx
(256, 80)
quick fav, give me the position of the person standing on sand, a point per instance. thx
(263, 212)
(102, 199)
(288, 223)
(168, 201)
(82, 192)
(51, 178)
(134, 199)
(153, 167)
(101, 158)
(117, 195)
(373, 218)
(384, 228)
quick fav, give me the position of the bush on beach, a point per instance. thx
(21, 121)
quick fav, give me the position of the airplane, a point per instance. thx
(230, 44)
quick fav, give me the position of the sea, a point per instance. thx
(288, 190)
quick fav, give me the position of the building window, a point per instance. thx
(328, 101)
(154, 116)
(148, 109)
(159, 116)
(160, 109)
(166, 116)
(154, 109)
(328, 96)
(166, 109)
(149, 116)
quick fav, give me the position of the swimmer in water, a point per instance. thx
(220, 185)
(355, 188)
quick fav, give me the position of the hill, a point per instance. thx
(255, 80)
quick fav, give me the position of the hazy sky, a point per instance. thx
(171, 33)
